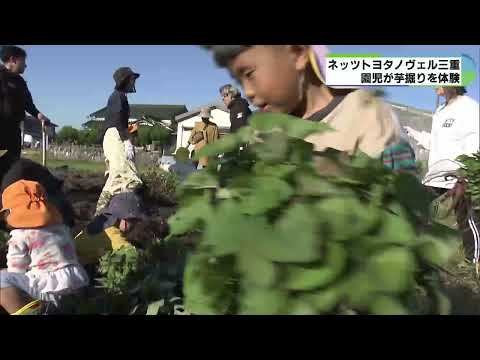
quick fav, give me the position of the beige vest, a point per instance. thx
(212, 133)
(362, 120)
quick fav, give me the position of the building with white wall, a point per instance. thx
(164, 113)
(185, 122)
(31, 131)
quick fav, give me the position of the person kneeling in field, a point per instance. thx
(361, 119)
(108, 230)
(42, 264)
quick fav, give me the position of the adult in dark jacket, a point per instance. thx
(15, 99)
(238, 106)
(118, 108)
(117, 141)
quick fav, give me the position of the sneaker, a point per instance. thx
(178, 307)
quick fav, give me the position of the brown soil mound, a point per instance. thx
(83, 191)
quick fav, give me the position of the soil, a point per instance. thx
(83, 191)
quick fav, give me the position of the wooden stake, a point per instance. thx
(44, 150)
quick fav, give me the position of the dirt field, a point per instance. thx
(83, 190)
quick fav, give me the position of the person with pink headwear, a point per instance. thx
(290, 79)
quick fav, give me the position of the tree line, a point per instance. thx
(92, 135)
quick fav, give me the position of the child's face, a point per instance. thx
(271, 75)
(126, 225)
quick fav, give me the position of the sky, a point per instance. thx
(69, 82)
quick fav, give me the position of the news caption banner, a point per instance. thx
(377, 70)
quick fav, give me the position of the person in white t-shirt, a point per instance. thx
(455, 131)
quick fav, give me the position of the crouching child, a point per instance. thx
(108, 230)
(42, 264)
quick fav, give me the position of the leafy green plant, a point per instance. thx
(119, 269)
(286, 231)
(160, 184)
(139, 282)
(471, 171)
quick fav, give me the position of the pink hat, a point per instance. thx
(318, 60)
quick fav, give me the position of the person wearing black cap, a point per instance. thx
(117, 141)
(15, 99)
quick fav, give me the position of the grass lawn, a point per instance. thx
(83, 166)
(75, 165)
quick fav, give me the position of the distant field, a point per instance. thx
(99, 167)
(75, 165)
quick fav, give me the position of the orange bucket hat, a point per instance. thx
(28, 207)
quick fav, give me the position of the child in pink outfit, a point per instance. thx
(42, 261)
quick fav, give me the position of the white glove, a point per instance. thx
(129, 150)
(411, 132)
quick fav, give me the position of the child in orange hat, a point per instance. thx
(42, 261)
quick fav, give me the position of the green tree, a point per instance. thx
(159, 134)
(149, 134)
(88, 136)
(144, 133)
(94, 125)
(67, 134)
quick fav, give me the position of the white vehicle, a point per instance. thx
(166, 161)
(28, 139)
